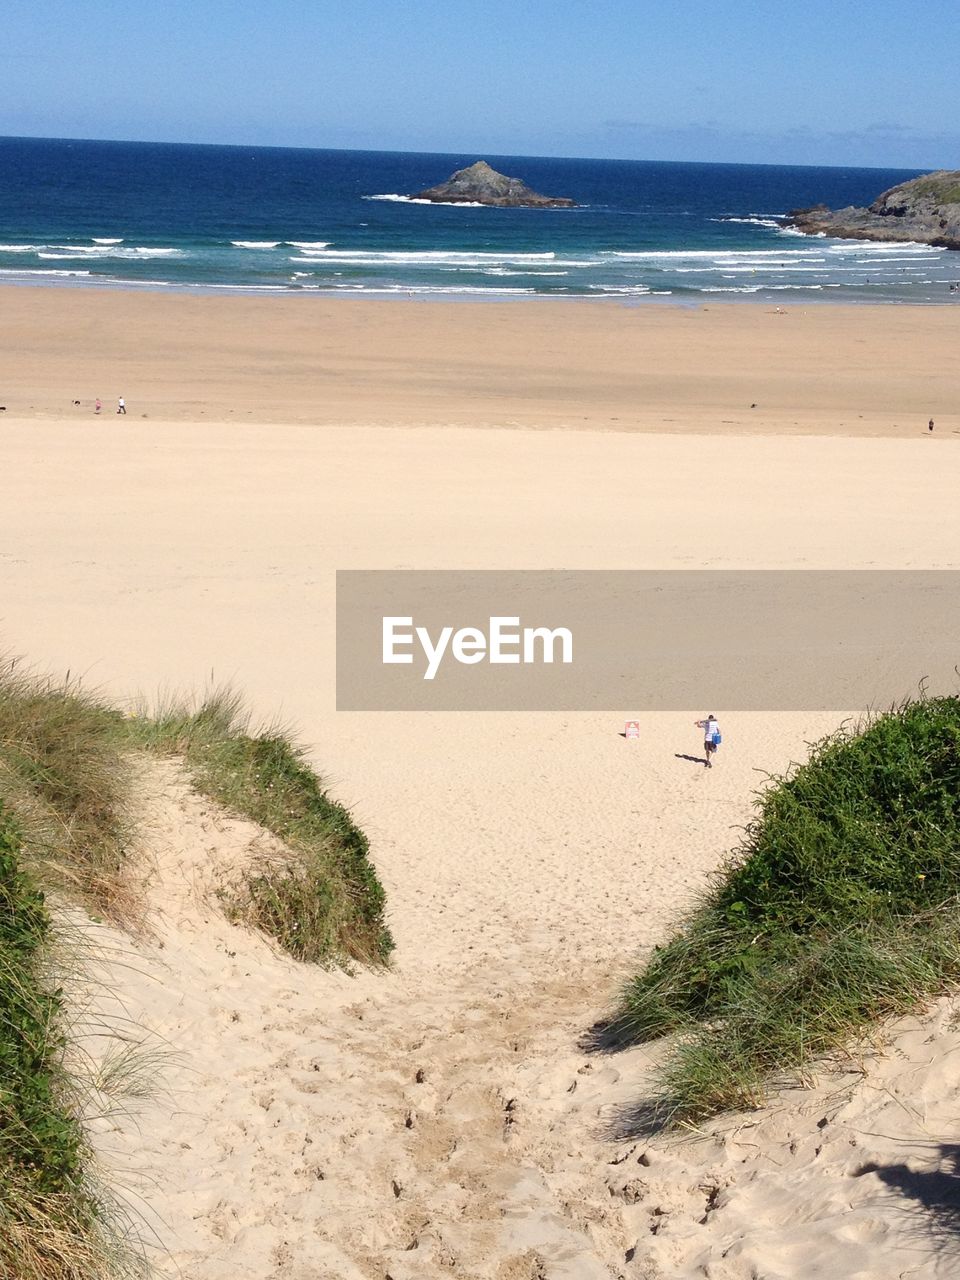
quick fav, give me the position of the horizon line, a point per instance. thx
(258, 146)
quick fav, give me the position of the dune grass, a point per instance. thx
(840, 908)
(62, 773)
(52, 1223)
(323, 903)
(64, 777)
(62, 796)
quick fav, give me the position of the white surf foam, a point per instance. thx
(429, 289)
(83, 252)
(106, 240)
(717, 255)
(246, 288)
(886, 246)
(39, 271)
(132, 283)
(255, 244)
(392, 198)
(914, 261)
(308, 244)
(734, 268)
(19, 248)
(427, 256)
(754, 221)
(436, 258)
(866, 249)
(504, 271)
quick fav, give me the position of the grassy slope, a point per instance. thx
(51, 1224)
(62, 773)
(943, 189)
(63, 783)
(841, 907)
(322, 904)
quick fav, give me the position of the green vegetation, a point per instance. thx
(63, 772)
(33, 1139)
(943, 188)
(840, 908)
(51, 1223)
(321, 900)
(64, 776)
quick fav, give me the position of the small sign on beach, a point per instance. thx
(631, 729)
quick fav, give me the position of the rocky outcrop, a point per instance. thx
(479, 184)
(926, 209)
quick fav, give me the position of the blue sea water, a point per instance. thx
(152, 215)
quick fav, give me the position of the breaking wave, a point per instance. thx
(391, 197)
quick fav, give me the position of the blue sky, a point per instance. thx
(846, 82)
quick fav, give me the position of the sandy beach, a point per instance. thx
(826, 370)
(445, 1119)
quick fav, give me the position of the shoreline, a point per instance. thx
(724, 368)
(426, 293)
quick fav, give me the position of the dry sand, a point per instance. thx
(441, 1120)
(537, 363)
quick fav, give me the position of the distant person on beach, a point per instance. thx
(121, 405)
(711, 738)
(97, 406)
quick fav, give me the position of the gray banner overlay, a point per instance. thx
(631, 641)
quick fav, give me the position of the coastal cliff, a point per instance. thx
(480, 184)
(926, 210)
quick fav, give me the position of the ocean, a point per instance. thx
(281, 220)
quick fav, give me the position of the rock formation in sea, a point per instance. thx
(479, 184)
(926, 209)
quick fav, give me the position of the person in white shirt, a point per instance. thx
(711, 738)
(121, 405)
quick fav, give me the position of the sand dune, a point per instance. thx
(442, 1120)
(429, 1124)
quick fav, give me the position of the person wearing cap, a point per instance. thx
(711, 738)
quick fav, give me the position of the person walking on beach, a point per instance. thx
(711, 738)
(121, 405)
(97, 406)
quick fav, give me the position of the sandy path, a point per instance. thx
(527, 858)
(447, 1124)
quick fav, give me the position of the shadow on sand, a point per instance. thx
(934, 1194)
(639, 1119)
